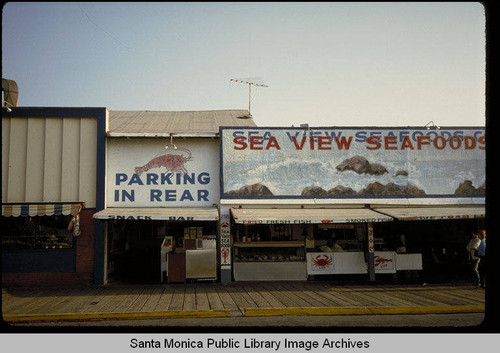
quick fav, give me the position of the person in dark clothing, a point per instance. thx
(481, 253)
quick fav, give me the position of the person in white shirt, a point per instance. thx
(471, 248)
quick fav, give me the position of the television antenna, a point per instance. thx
(250, 82)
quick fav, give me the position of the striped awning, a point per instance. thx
(45, 209)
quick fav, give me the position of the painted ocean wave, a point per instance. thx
(291, 176)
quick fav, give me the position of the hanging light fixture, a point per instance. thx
(171, 143)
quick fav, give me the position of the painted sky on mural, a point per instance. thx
(326, 64)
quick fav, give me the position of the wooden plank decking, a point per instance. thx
(235, 297)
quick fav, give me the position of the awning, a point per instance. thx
(160, 213)
(46, 209)
(306, 215)
(433, 212)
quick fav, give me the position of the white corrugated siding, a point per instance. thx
(49, 160)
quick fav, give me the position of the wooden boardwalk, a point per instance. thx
(237, 298)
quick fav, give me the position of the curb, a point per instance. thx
(11, 318)
(248, 312)
(319, 311)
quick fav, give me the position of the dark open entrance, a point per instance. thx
(442, 244)
(134, 247)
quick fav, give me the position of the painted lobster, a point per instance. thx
(379, 260)
(171, 162)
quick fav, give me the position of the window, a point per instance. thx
(345, 234)
(36, 233)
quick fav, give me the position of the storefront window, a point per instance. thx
(265, 232)
(35, 233)
(344, 234)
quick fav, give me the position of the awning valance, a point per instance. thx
(306, 215)
(160, 213)
(45, 209)
(433, 212)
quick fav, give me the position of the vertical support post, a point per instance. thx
(100, 275)
(100, 251)
(371, 252)
(225, 245)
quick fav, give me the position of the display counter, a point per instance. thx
(353, 262)
(201, 263)
(196, 261)
(269, 260)
(385, 261)
(346, 262)
(390, 262)
(408, 262)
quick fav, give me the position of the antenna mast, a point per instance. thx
(250, 83)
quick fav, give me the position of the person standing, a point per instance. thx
(481, 253)
(336, 246)
(471, 248)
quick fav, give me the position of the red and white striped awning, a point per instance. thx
(40, 209)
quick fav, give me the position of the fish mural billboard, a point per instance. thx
(353, 162)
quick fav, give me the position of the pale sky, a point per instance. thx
(326, 64)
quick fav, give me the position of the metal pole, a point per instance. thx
(371, 252)
(249, 83)
(249, 97)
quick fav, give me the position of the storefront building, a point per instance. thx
(143, 185)
(308, 203)
(52, 173)
(161, 217)
(207, 195)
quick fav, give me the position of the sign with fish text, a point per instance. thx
(350, 162)
(155, 173)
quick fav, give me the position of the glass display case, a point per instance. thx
(268, 260)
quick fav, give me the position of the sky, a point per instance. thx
(325, 63)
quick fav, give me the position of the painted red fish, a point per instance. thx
(171, 162)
